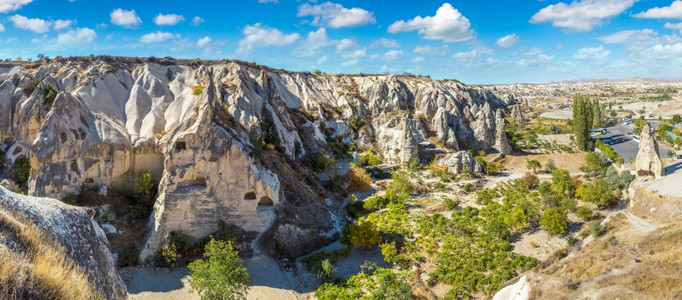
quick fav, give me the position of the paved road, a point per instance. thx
(625, 146)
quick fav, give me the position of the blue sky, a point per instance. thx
(483, 41)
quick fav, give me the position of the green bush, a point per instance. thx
(145, 189)
(599, 192)
(21, 170)
(369, 159)
(356, 123)
(449, 204)
(554, 220)
(197, 90)
(327, 270)
(50, 93)
(220, 275)
(140, 211)
(596, 229)
(30, 86)
(584, 213)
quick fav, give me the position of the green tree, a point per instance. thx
(327, 270)
(550, 166)
(599, 192)
(596, 114)
(532, 164)
(677, 119)
(583, 116)
(554, 220)
(145, 189)
(220, 274)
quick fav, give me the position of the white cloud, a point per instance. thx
(349, 48)
(349, 63)
(639, 40)
(35, 25)
(582, 15)
(77, 36)
(258, 36)
(665, 52)
(204, 41)
(61, 24)
(675, 26)
(168, 20)
(508, 41)
(384, 43)
(467, 54)
(390, 55)
(2, 27)
(418, 59)
(674, 11)
(197, 20)
(268, 1)
(622, 36)
(592, 53)
(535, 60)
(314, 43)
(335, 15)
(156, 37)
(125, 18)
(12, 5)
(322, 60)
(429, 50)
(448, 25)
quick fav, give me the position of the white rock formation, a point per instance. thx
(457, 162)
(115, 117)
(648, 158)
(517, 291)
(501, 144)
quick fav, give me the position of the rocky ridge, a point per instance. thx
(225, 138)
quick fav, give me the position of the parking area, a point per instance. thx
(624, 144)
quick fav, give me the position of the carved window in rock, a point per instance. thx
(250, 195)
(265, 201)
(89, 180)
(180, 145)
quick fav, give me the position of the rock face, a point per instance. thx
(460, 161)
(200, 129)
(648, 158)
(74, 228)
(517, 114)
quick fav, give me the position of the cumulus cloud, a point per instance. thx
(335, 15)
(674, 11)
(581, 15)
(429, 50)
(36, 25)
(156, 37)
(390, 55)
(61, 24)
(197, 20)
(2, 27)
(258, 36)
(384, 43)
(508, 41)
(467, 54)
(639, 40)
(349, 48)
(204, 41)
(448, 25)
(665, 52)
(125, 18)
(314, 43)
(168, 20)
(77, 36)
(675, 26)
(12, 5)
(592, 53)
(418, 59)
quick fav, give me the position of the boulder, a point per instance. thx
(457, 162)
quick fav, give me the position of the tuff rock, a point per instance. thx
(201, 128)
(648, 158)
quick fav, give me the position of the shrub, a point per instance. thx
(21, 170)
(50, 93)
(327, 270)
(584, 213)
(30, 86)
(529, 181)
(369, 159)
(319, 162)
(554, 220)
(363, 234)
(140, 211)
(599, 192)
(532, 164)
(549, 166)
(596, 229)
(198, 89)
(359, 179)
(356, 123)
(374, 202)
(449, 204)
(414, 165)
(220, 274)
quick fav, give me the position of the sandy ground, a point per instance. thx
(546, 244)
(568, 161)
(558, 114)
(670, 184)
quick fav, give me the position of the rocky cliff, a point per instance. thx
(226, 139)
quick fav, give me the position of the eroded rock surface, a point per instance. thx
(74, 228)
(207, 132)
(648, 159)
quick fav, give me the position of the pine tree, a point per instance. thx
(583, 116)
